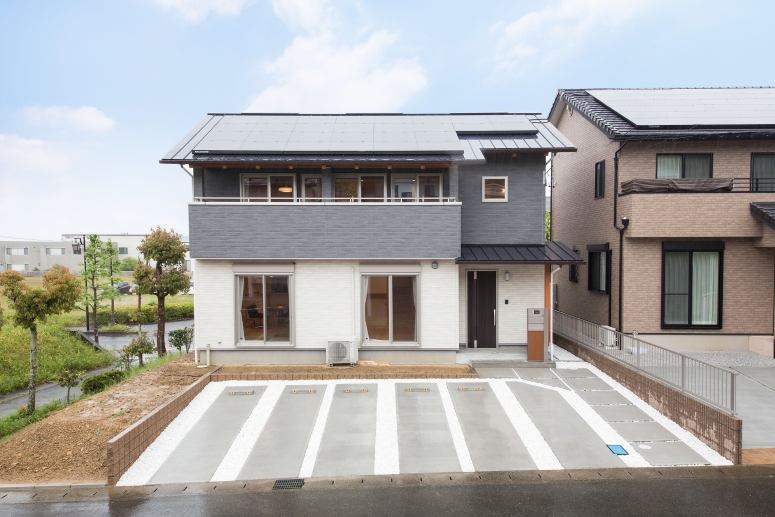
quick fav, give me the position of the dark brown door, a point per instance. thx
(481, 309)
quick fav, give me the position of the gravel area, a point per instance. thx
(733, 358)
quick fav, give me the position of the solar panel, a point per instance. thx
(692, 106)
(483, 124)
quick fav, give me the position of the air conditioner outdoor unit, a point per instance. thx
(342, 351)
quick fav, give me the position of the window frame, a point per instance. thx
(359, 177)
(683, 164)
(573, 273)
(126, 252)
(9, 251)
(607, 253)
(691, 247)
(268, 176)
(48, 251)
(752, 179)
(506, 186)
(416, 178)
(390, 342)
(303, 189)
(600, 181)
(244, 343)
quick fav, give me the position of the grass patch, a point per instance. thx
(114, 328)
(56, 348)
(14, 422)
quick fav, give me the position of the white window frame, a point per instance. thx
(123, 248)
(359, 177)
(48, 251)
(244, 196)
(244, 343)
(303, 186)
(10, 251)
(416, 178)
(10, 267)
(390, 342)
(506, 186)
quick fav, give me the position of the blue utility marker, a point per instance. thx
(618, 450)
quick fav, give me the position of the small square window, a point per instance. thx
(574, 273)
(123, 251)
(495, 189)
(599, 179)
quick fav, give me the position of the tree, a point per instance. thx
(140, 345)
(167, 251)
(110, 254)
(182, 338)
(96, 270)
(59, 294)
(69, 378)
(128, 264)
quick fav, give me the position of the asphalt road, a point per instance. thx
(706, 495)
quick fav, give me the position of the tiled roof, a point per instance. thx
(548, 253)
(765, 212)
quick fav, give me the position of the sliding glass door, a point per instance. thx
(390, 308)
(264, 308)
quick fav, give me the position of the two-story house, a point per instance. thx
(669, 199)
(411, 234)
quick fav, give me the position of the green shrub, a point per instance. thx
(9, 424)
(128, 264)
(101, 382)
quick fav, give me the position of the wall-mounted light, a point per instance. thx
(357, 167)
(323, 167)
(258, 166)
(435, 265)
(290, 167)
(507, 276)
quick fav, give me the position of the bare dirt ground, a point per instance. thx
(70, 445)
(357, 369)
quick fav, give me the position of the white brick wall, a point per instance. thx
(525, 289)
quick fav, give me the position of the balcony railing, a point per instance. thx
(324, 200)
(697, 185)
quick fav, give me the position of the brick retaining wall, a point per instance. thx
(127, 446)
(718, 430)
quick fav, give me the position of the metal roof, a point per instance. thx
(765, 212)
(620, 128)
(549, 253)
(395, 137)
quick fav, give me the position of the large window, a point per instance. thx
(599, 179)
(361, 188)
(390, 308)
(417, 188)
(271, 187)
(16, 251)
(692, 284)
(674, 166)
(763, 172)
(495, 189)
(599, 267)
(313, 188)
(55, 251)
(264, 309)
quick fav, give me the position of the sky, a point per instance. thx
(94, 93)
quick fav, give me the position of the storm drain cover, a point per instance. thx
(287, 484)
(618, 450)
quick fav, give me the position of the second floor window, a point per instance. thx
(675, 166)
(55, 251)
(417, 188)
(359, 188)
(274, 188)
(123, 251)
(763, 172)
(16, 251)
(599, 179)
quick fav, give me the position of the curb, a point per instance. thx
(42, 486)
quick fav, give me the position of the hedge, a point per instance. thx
(174, 311)
(101, 382)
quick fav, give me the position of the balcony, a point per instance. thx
(324, 228)
(697, 208)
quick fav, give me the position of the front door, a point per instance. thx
(481, 309)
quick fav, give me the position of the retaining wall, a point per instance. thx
(718, 430)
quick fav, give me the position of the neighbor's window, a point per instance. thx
(313, 188)
(763, 172)
(390, 308)
(274, 188)
(16, 251)
(264, 308)
(55, 251)
(17, 267)
(123, 251)
(598, 271)
(691, 285)
(674, 166)
(599, 179)
(495, 189)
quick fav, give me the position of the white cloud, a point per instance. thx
(560, 27)
(320, 72)
(197, 10)
(85, 118)
(21, 156)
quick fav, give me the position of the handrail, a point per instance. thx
(745, 184)
(709, 383)
(319, 200)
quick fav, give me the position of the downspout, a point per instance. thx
(621, 229)
(551, 313)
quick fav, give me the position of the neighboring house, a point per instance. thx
(693, 172)
(410, 234)
(43, 255)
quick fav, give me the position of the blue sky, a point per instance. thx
(93, 93)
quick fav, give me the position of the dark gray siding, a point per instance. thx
(390, 231)
(521, 220)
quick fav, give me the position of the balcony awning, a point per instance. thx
(765, 212)
(548, 253)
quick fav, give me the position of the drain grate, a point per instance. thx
(287, 484)
(240, 393)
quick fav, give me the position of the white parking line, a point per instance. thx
(463, 455)
(237, 455)
(540, 451)
(386, 437)
(317, 433)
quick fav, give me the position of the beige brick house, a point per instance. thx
(684, 179)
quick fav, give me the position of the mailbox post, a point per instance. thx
(537, 335)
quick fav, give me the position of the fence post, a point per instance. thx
(683, 372)
(733, 393)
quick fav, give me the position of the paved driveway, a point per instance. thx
(511, 419)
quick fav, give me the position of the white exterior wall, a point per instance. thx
(326, 304)
(524, 290)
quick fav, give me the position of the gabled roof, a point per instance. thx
(257, 138)
(547, 253)
(674, 113)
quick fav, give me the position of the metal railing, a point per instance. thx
(712, 384)
(319, 200)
